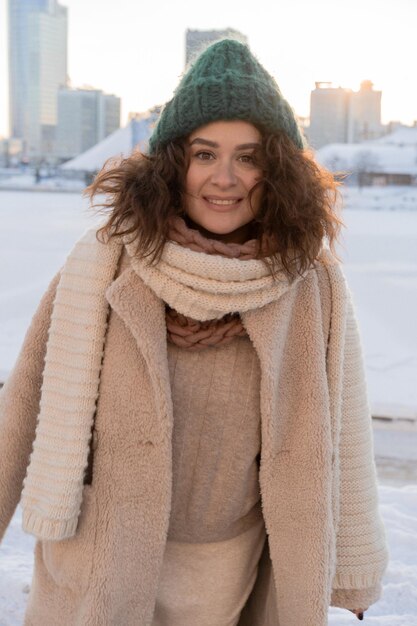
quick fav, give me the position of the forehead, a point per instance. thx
(227, 131)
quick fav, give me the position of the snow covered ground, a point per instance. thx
(27, 182)
(37, 231)
(380, 261)
(393, 198)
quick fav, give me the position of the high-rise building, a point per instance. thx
(37, 68)
(197, 40)
(339, 115)
(329, 107)
(85, 117)
(364, 120)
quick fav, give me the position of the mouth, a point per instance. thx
(222, 202)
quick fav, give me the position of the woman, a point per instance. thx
(203, 453)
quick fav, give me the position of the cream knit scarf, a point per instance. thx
(192, 334)
(206, 287)
(197, 285)
(195, 335)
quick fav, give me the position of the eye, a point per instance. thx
(247, 158)
(203, 155)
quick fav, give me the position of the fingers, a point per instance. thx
(358, 612)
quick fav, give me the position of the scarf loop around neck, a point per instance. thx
(208, 286)
(193, 334)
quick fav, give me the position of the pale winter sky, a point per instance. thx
(135, 49)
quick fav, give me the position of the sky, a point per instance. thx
(136, 50)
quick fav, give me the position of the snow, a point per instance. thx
(401, 137)
(391, 198)
(38, 230)
(380, 262)
(372, 156)
(395, 153)
(16, 564)
(27, 182)
(380, 254)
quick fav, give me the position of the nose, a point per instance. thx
(224, 175)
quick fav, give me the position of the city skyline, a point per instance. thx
(141, 60)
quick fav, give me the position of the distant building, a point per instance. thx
(339, 115)
(11, 151)
(142, 115)
(395, 125)
(85, 117)
(120, 144)
(329, 109)
(37, 68)
(197, 40)
(304, 123)
(364, 118)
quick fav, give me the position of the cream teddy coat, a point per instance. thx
(325, 543)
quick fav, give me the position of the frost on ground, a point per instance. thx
(397, 606)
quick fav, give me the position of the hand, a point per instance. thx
(358, 612)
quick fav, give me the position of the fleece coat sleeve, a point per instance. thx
(19, 408)
(361, 546)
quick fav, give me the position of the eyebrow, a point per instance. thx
(213, 144)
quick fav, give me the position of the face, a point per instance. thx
(221, 173)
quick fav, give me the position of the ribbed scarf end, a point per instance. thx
(47, 529)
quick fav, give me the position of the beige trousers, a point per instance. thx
(207, 584)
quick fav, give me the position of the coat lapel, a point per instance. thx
(295, 472)
(267, 328)
(144, 315)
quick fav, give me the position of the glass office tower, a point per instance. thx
(37, 68)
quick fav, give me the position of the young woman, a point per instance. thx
(188, 414)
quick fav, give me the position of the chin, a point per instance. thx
(218, 230)
(228, 233)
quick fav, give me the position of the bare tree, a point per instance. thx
(365, 161)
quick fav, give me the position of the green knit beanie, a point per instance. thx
(226, 82)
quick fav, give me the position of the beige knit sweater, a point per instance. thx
(216, 440)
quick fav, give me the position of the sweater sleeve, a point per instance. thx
(361, 547)
(19, 408)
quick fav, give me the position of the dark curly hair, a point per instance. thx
(298, 208)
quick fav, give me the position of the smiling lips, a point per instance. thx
(223, 201)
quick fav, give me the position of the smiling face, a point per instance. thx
(221, 173)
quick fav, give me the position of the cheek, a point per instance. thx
(256, 196)
(192, 179)
(250, 179)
